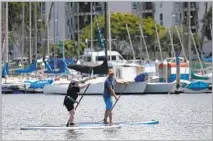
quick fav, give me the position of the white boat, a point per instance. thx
(96, 87)
(127, 73)
(158, 88)
(91, 58)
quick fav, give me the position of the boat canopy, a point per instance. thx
(40, 84)
(31, 68)
(99, 69)
(208, 59)
(198, 85)
(141, 77)
(5, 70)
(61, 64)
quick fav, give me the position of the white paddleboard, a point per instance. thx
(123, 123)
(103, 126)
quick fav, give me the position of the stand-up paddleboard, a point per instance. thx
(139, 123)
(125, 123)
(76, 127)
(91, 125)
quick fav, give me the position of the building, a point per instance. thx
(120, 6)
(169, 13)
(74, 16)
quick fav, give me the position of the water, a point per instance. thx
(181, 116)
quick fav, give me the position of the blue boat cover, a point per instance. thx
(61, 63)
(31, 68)
(172, 77)
(198, 85)
(28, 81)
(40, 84)
(208, 59)
(5, 70)
(141, 77)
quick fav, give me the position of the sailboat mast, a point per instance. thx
(22, 49)
(181, 43)
(156, 30)
(30, 49)
(47, 23)
(64, 32)
(109, 32)
(7, 33)
(189, 39)
(91, 26)
(130, 41)
(202, 69)
(106, 28)
(144, 41)
(78, 28)
(54, 30)
(0, 42)
(171, 40)
(36, 30)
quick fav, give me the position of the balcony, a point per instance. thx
(86, 13)
(148, 11)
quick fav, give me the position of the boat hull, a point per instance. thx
(98, 88)
(190, 91)
(158, 88)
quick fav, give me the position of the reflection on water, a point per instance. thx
(181, 117)
(71, 134)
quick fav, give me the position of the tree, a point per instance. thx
(70, 48)
(166, 40)
(15, 23)
(208, 23)
(119, 32)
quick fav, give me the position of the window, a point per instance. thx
(113, 57)
(161, 16)
(43, 7)
(121, 58)
(134, 5)
(161, 19)
(148, 5)
(87, 59)
(161, 4)
(100, 58)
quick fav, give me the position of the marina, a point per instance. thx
(82, 70)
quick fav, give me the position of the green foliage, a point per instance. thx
(70, 48)
(15, 14)
(208, 23)
(119, 31)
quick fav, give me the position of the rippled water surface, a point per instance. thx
(181, 117)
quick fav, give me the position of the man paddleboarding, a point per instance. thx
(70, 99)
(109, 91)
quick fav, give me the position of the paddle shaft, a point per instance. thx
(82, 96)
(78, 102)
(119, 97)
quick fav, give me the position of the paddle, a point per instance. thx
(78, 102)
(82, 96)
(119, 96)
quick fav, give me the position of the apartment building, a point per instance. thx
(172, 13)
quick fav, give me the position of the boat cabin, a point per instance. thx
(98, 57)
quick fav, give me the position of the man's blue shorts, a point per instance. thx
(108, 102)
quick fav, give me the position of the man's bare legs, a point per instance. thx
(108, 113)
(110, 116)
